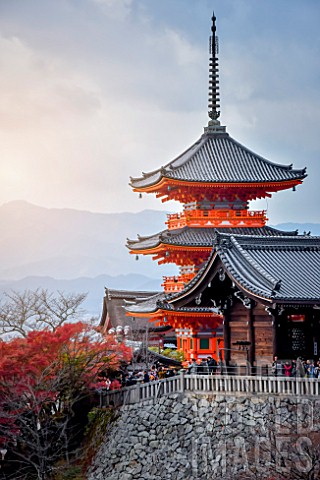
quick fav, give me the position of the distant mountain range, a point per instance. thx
(79, 251)
(66, 244)
(94, 287)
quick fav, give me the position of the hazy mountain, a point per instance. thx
(313, 228)
(65, 243)
(93, 286)
(78, 251)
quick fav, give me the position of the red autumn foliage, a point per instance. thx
(49, 366)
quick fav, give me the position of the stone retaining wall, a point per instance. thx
(192, 436)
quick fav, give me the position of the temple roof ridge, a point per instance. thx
(279, 165)
(270, 241)
(242, 260)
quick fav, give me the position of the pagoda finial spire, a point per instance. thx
(214, 101)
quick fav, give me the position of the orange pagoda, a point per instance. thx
(214, 180)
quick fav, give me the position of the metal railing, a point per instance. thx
(212, 384)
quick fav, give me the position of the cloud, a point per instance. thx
(37, 88)
(107, 89)
(70, 136)
(115, 9)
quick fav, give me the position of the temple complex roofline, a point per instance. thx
(279, 269)
(197, 237)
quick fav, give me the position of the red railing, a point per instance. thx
(217, 218)
(176, 284)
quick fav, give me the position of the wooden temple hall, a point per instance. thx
(244, 291)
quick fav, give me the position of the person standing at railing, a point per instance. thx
(161, 373)
(300, 371)
(193, 367)
(221, 368)
(146, 378)
(212, 365)
(287, 367)
(153, 374)
(311, 369)
(203, 367)
(277, 369)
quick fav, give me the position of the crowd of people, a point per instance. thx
(155, 372)
(205, 366)
(128, 378)
(296, 368)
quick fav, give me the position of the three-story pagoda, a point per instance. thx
(214, 180)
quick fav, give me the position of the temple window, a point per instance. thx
(204, 343)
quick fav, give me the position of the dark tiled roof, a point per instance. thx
(219, 158)
(276, 268)
(128, 294)
(113, 307)
(198, 237)
(257, 264)
(160, 302)
(167, 306)
(147, 306)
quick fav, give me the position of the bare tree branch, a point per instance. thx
(22, 312)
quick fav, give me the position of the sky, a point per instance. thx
(95, 91)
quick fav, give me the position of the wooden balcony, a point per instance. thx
(217, 218)
(176, 284)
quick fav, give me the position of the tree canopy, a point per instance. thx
(42, 377)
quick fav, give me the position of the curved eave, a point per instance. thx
(164, 247)
(157, 174)
(170, 238)
(153, 313)
(268, 299)
(298, 172)
(180, 312)
(264, 297)
(185, 312)
(135, 247)
(165, 182)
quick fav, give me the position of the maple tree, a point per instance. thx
(42, 379)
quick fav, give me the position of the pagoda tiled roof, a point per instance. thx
(198, 237)
(218, 158)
